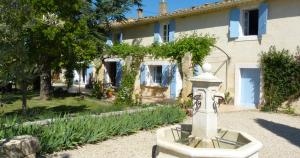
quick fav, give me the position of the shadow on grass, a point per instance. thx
(9, 98)
(287, 132)
(61, 93)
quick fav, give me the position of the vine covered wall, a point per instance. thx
(199, 46)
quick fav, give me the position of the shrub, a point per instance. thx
(227, 98)
(66, 133)
(97, 90)
(281, 75)
(125, 92)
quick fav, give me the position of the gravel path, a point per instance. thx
(279, 133)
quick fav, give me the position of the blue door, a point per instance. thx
(250, 87)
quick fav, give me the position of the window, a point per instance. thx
(155, 74)
(166, 33)
(251, 22)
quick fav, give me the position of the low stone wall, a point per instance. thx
(48, 121)
(24, 146)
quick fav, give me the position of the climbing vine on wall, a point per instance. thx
(199, 46)
(133, 55)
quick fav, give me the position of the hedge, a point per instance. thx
(281, 76)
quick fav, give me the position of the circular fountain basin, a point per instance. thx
(177, 142)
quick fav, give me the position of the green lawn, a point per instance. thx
(57, 106)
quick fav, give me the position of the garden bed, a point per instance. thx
(68, 133)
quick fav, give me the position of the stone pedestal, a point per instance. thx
(205, 86)
(205, 138)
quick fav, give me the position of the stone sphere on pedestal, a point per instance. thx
(206, 67)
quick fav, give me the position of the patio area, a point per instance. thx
(279, 133)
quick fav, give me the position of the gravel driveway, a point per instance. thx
(279, 133)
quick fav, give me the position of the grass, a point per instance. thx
(66, 133)
(57, 106)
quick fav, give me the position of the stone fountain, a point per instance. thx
(203, 138)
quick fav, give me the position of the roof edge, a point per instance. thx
(183, 12)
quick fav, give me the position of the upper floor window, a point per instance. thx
(250, 23)
(166, 28)
(251, 18)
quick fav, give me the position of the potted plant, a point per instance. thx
(109, 92)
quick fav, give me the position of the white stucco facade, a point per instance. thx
(282, 31)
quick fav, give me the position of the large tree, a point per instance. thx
(16, 63)
(71, 32)
(53, 34)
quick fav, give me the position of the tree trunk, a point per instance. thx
(24, 97)
(45, 89)
(187, 72)
(37, 83)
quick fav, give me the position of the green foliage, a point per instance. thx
(186, 104)
(198, 45)
(281, 75)
(16, 62)
(129, 71)
(67, 133)
(124, 95)
(227, 98)
(97, 90)
(58, 34)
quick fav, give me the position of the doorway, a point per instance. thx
(111, 71)
(250, 87)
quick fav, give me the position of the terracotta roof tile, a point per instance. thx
(182, 12)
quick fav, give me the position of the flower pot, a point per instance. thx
(109, 94)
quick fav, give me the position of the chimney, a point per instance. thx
(163, 7)
(140, 12)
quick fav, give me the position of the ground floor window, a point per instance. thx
(155, 74)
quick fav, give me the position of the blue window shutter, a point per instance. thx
(173, 87)
(234, 26)
(197, 70)
(157, 38)
(172, 27)
(143, 75)
(121, 37)
(119, 73)
(263, 18)
(165, 75)
(109, 40)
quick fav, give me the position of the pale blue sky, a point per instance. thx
(151, 7)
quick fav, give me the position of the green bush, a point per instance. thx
(67, 133)
(281, 76)
(97, 90)
(125, 92)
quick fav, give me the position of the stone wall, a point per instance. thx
(19, 147)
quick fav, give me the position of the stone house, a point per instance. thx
(243, 29)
